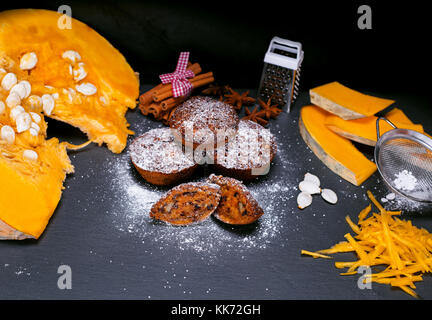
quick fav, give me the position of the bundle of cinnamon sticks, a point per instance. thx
(159, 101)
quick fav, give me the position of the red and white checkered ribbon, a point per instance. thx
(181, 86)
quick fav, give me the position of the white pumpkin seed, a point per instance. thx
(79, 72)
(304, 200)
(28, 61)
(47, 104)
(2, 107)
(71, 55)
(86, 88)
(19, 89)
(35, 101)
(23, 122)
(8, 81)
(16, 111)
(312, 178)
(35, 126)
(27, 87)
(309, 187)
(7, 134)
(13, 99)
(33, 132)
(30, 155)
(329, 196)
(36, 118)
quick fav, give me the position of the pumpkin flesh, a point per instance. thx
(336, 152)
(30, 189)
(101, 115)
(364, 130)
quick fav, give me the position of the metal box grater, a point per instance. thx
(281, 73)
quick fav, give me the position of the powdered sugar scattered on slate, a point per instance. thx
(133, 199)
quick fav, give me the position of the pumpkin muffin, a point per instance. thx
(199, 120)
(248, 154)
(160, 159)
(187, 203)
(237, 206)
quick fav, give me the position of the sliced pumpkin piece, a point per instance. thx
(364, 130)
(398, 115)
(345, 102)
(30, 187)
(91, 83)
(337, 153)
(32, 169)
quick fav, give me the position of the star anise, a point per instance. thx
(238, 100)
(270, 111)
(256, 116)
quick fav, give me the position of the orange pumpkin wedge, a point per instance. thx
(91, 81)
(345, 102)
(72, 75)
(30, 189)
(336, 152)
(364, 130)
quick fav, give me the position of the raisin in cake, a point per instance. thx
(237, 206)
(248, 154)
(160, 159)
(187, 203)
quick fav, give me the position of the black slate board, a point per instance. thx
(116, 252)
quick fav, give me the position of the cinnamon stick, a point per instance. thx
(195, 68)
(169, 103)
(202, 82)
(155, 109)
(196, 81)
(147, 97)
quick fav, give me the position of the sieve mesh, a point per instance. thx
(402, 156)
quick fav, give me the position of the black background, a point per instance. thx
(231, 37)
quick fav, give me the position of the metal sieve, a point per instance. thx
(404, 160)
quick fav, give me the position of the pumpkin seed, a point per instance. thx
(304, 200)
(28, 61)
(8, 81)
(312, 178)
(309, 187)
(30, 155)
(329, 196)
(7, 134)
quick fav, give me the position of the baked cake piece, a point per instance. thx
(160, 159)
(237, 206)
(199, 120)
(187, 203)
(248, 154)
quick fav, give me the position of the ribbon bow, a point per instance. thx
(181, 86)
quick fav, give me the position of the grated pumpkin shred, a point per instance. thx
(382, 239)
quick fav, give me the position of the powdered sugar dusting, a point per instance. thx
(204, 114)
(157, 151)
(252, 147)
(405, 181)
(135, 198)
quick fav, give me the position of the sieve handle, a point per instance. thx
(377, 125)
